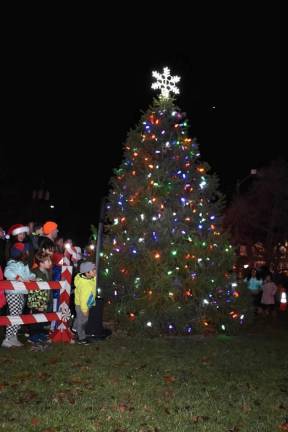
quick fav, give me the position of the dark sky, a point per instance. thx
(66, 98)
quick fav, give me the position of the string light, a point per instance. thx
(202, 184)
(201, 169)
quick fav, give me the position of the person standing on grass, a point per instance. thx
(47, 240)
(46, 244)
(38, 300)
(17, 269)
(2, 248)
(18, 234)
(254, 284)
(35, 231)
(85, 294)
(268, 296)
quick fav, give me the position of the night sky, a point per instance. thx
(60, 94)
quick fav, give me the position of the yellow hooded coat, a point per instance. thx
(84, 287)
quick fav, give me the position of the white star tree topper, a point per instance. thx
(166, 83)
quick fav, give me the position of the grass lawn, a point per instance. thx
(218, 384)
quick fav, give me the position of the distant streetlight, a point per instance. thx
(239, 182)
(52, 206)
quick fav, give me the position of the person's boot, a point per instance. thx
(7, 343)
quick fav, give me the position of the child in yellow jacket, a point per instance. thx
(85, 293)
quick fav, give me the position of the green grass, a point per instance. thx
(232, 384)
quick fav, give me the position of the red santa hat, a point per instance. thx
(17, 229)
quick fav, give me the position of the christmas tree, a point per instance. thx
(165, 259)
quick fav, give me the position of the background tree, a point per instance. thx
(261, 214)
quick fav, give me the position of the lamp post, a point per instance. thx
(239, 182)
(94, 327)
(99, 245)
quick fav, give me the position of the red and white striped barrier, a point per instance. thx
(29, 319)
(62, 333)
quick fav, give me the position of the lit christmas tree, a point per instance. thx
(165, 259)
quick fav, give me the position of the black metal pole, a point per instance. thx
(94, 326)
(99, 244)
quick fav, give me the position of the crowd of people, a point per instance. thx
(265, 289)
(36, 252)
